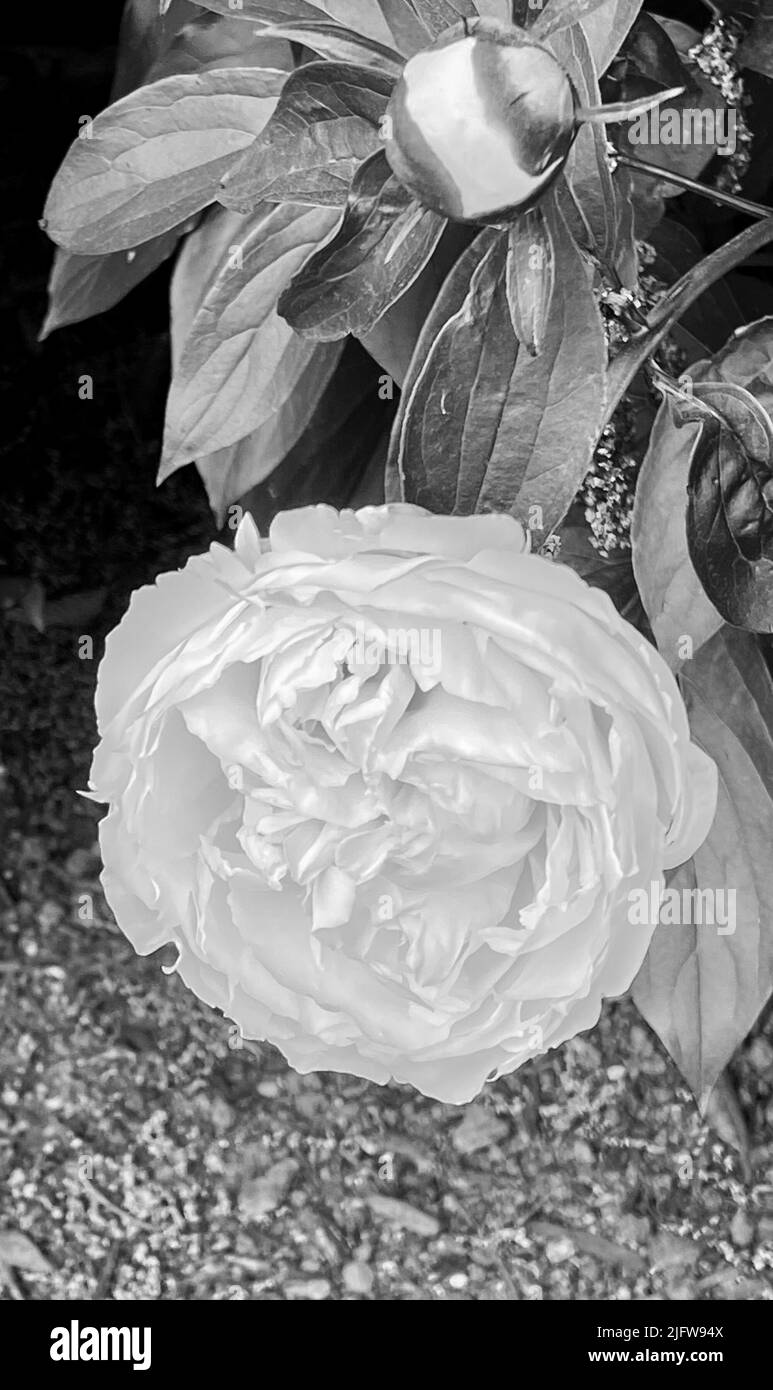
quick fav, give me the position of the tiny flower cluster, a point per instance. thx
(715, 56)
(608, 491)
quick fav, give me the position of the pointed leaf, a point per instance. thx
(240, 360)
(407, 30)
(483, 426)
(156, 157)
(674, 303)
(229, 472)
(650, 56)
(561, 14)
(604, 22)
(453, 419)
(393, 340)
(332, 457)
(210, 42)
(747, 359)
(587, 168)
(268, 11)
(729, 512)
(362, 16)
(337, 43)
(562, 392)
(81, 286)
(531, 271)
(716, 314)
(325, 124)
(703, 984)
(383, 243)
(435, 16)
(673, 596)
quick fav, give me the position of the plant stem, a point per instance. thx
(675, 301)
(666, 176)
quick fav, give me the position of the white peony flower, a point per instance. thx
(388, 781)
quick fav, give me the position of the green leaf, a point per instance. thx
(266, 11)
(156, 157)
(211, 41)
(408, 32)
(676, 301)
(238, 361)
(504, 11)
(337, 43)
(560, 14)
(81, 286)
(756, 51)
(531, 268)
(587, 168)
(702, 986)
(230, 472)
(482, 425)
(562, 392)
(716, 314)
(673, 596)
(333, 456)
(383, 243)
(144, 34)
(362, 16)
(747, 358)
(325, 124)
(366, 16)
(729, 516)
(605, 22)
(435, 16)
(649, 61)
(453, 423)
(393, 340)
(612, 573)
(688, 157)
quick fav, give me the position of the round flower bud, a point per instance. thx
(481, 123)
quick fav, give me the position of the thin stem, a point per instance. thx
(667, 176)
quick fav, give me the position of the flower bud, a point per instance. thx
(481, 123)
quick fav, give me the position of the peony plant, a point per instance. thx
(478, 732)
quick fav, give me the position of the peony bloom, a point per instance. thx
(388, 781)
(481, 123)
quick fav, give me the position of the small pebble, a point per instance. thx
(357, 1277)
(221, 1114)
(583, 1152)
(560, 1250)
(479, 1129)
(741, 1229)
(259, 1196)
(403, 1215)
(313, 1289)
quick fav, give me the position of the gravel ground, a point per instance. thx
(143, 1153)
